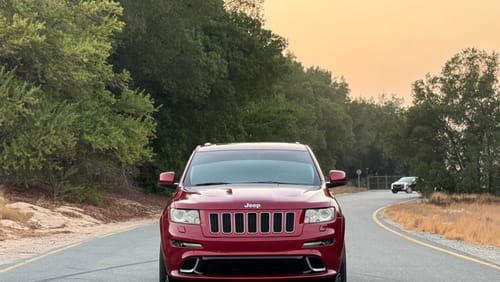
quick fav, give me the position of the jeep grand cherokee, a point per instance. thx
(252, 212)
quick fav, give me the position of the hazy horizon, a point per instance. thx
(382, 46)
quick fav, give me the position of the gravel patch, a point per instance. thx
(487, 253)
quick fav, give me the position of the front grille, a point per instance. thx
(252, 222)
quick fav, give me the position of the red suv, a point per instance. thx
(252, 212)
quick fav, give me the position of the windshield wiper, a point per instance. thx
(268, 181)
(211, 183)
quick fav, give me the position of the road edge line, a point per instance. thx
(9, 268)
(377, 221)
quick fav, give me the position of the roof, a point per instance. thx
(253, 146)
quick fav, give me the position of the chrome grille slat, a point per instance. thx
(252, 222)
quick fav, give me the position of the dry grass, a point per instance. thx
(470, 218)
(347, 190)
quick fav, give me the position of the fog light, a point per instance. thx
(182, 244)
(321, 243)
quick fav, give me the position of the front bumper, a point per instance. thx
(257, 258)
(253, 268)
(398, 187)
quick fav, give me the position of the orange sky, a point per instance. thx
(382, 46)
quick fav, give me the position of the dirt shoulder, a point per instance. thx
(32, 224)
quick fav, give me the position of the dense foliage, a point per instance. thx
(208, 71)
(67, 122)
(453, 129)
(375, 128)
(217, 75)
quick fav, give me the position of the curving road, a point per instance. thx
(373, 254)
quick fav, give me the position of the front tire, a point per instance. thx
(342, 276)
(163, 277)
(161, 267)
(394, 191)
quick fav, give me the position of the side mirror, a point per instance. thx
(336, 178)
(166, 179)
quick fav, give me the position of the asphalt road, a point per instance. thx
(373, 254)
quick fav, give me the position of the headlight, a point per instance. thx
(185, 216)
(319, 215)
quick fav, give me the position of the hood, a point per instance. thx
(402, 183)
(252, 196)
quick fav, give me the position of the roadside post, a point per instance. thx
(358, 172)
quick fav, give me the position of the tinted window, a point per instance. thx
(252, 166)
(407, 179)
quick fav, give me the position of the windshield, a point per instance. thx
(407, 179)
(252, 166)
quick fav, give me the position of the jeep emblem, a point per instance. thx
(252, 206)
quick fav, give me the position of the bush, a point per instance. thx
(83, 194)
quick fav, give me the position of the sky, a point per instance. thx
(383, 46)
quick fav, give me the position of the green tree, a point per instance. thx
(252, 8)
(459, 135)
(77, 123)
(316, 101)
(375, 126)
(203, 65)
(218, 76)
